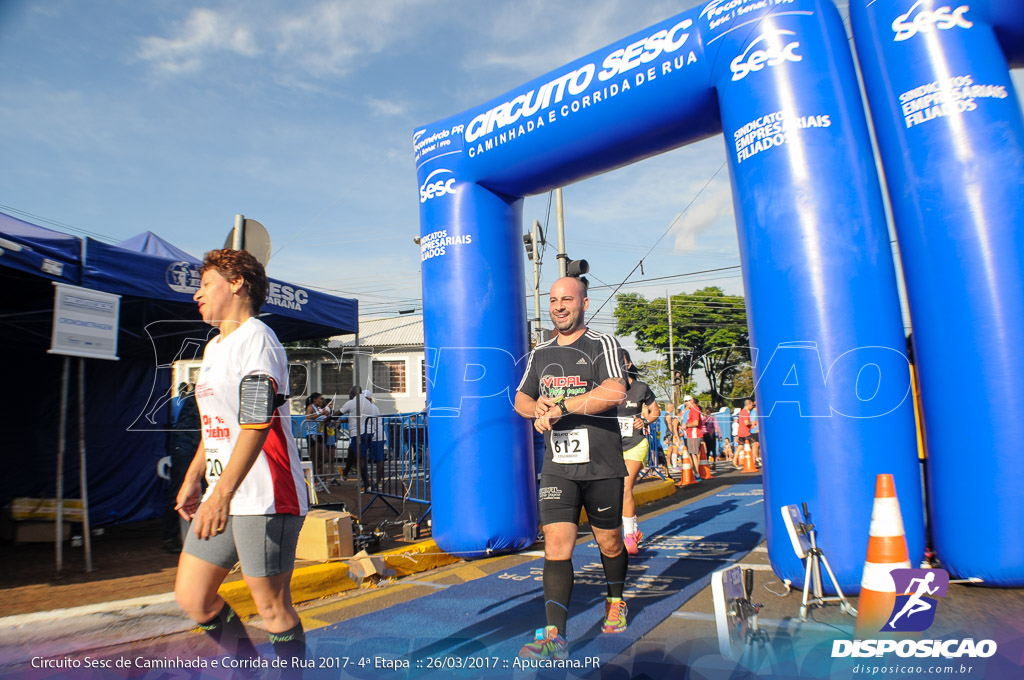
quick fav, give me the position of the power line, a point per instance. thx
(63, 225)
(667, 230)
(673, 276)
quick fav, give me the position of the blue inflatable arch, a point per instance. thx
(777, 78)
(951, 138)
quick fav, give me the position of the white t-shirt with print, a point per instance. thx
(275, 483)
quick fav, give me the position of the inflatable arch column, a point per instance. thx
(832, 382)
(951, 137)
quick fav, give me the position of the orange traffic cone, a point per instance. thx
(703, 467)
(887, 550)
(686, 478)
(749, 464)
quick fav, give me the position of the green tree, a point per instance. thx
(655, 374)
(709, 328)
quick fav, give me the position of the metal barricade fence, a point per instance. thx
(394, 459)
(398, 462)
(655, 452)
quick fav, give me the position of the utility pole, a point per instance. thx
(238, 235)
(671, 353)
(538, 252)
(563, 259)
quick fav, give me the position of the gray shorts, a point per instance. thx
(693, 445)
(264, 544)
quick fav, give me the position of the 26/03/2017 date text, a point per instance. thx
(448, 662)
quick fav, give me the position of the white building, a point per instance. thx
(390, 363)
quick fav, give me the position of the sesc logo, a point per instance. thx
(926, 20)
(183, 277)
(914, 611)
(432, 188)
(716, 7)
(770, 53)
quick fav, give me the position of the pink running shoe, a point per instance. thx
(631, 544)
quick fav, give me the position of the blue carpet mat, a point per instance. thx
(475, 629)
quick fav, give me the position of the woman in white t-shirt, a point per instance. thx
(255, 501)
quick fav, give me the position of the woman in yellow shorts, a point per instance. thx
(635, 414)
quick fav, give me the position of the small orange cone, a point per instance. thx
(686, 478)
(749, 465)
(703, 467)
(887, 550)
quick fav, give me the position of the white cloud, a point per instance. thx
(386, 107)
(330, 38)
(537, 36)
(203, 32)
(711, 210)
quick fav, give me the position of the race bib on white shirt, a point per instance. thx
(570, 446)
(626, 426)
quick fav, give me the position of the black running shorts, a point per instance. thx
(561, 499)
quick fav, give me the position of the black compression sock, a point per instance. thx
(558, 580)
(290, 643)
(227, 630)
(615, 572)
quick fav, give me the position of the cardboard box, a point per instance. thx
(326, 535)
(33, 531)
(366, 567)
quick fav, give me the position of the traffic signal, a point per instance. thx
(576, 268)
(530, 245)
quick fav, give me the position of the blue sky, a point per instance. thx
(121, 116)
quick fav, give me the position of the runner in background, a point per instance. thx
(635, 415)
(755, 432)
(710, 430)
(693, 429)
(743, 430)
(672, 442)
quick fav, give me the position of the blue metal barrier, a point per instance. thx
(397, 465)
(651, 466)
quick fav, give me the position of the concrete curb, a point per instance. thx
(323, 580)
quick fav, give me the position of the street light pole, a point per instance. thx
(538, 250)
(563, 259)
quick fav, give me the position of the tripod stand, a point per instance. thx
(814, 558)
(756, 643)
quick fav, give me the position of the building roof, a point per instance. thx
(396, 331)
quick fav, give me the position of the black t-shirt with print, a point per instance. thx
(563, 371)
(638, 394)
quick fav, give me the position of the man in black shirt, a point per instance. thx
(571, 387)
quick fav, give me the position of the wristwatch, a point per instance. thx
(562, 408)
